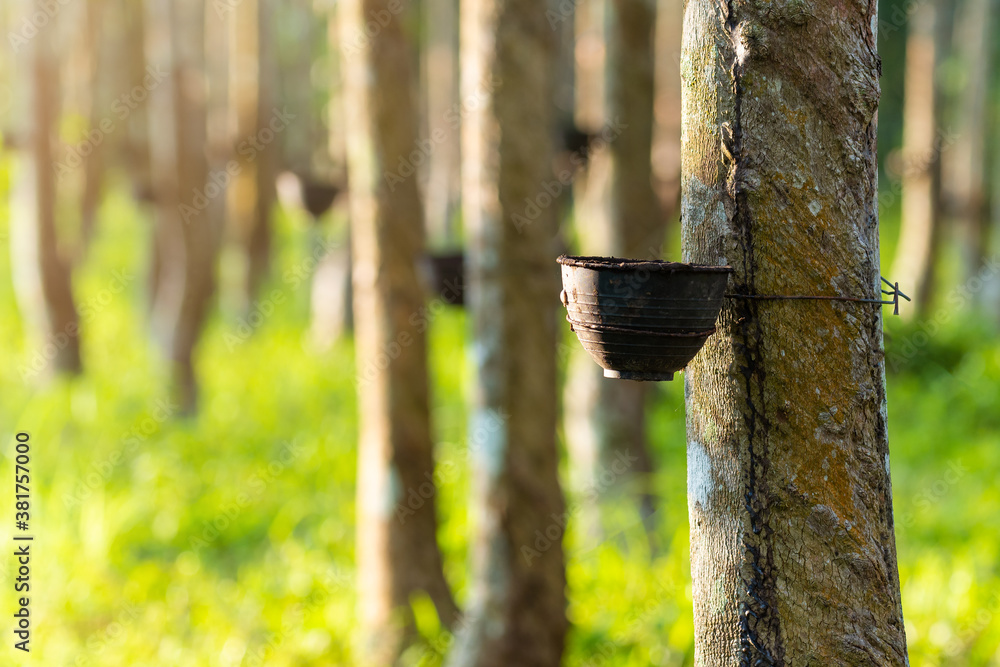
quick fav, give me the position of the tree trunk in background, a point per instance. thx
(965, 168)
(397, 550)
(138, 159)
(98, 44)
(187, 233)
(517, 605)
(918, 234)
(667, 107)
(441, 80)
(605, 418)
(639, 224)
(587, 427)
(793, 554)
(49, 273)
(336, 132)
(252, 195)
(991, 288)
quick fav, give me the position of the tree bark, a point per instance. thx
(622, 218)
(919, 231)
(97, 103)
(667, 106)
(991, 288)
(253, 193)
(517, 607)
(50, 269)
(792, 548)
(138, 159)
(187, 230)
(397, 550)
(965, 168)
(441, 78)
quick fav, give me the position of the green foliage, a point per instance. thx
(227, 539)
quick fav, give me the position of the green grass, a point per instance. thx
(227, 539)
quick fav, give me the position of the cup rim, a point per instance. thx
(623, 264)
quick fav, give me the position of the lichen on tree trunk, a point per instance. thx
(792, 546)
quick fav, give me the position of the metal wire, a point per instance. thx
(894, 293)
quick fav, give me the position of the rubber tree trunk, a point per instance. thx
(667, 106)
(638, 221)
(397, 550)
(793, 553)
(253, 194)
(187, 231)
(441, 80)
(965, 167)
(919, 231)
(587, 426)
(619, 215)
(991, 288)
(138, 159)
(49, 268)
(516, 612)
(98, 105)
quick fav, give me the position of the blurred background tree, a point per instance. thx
(209, 175)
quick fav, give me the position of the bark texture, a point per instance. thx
(919, 231)
(397, 550)
(792, 547)
(517, 606)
